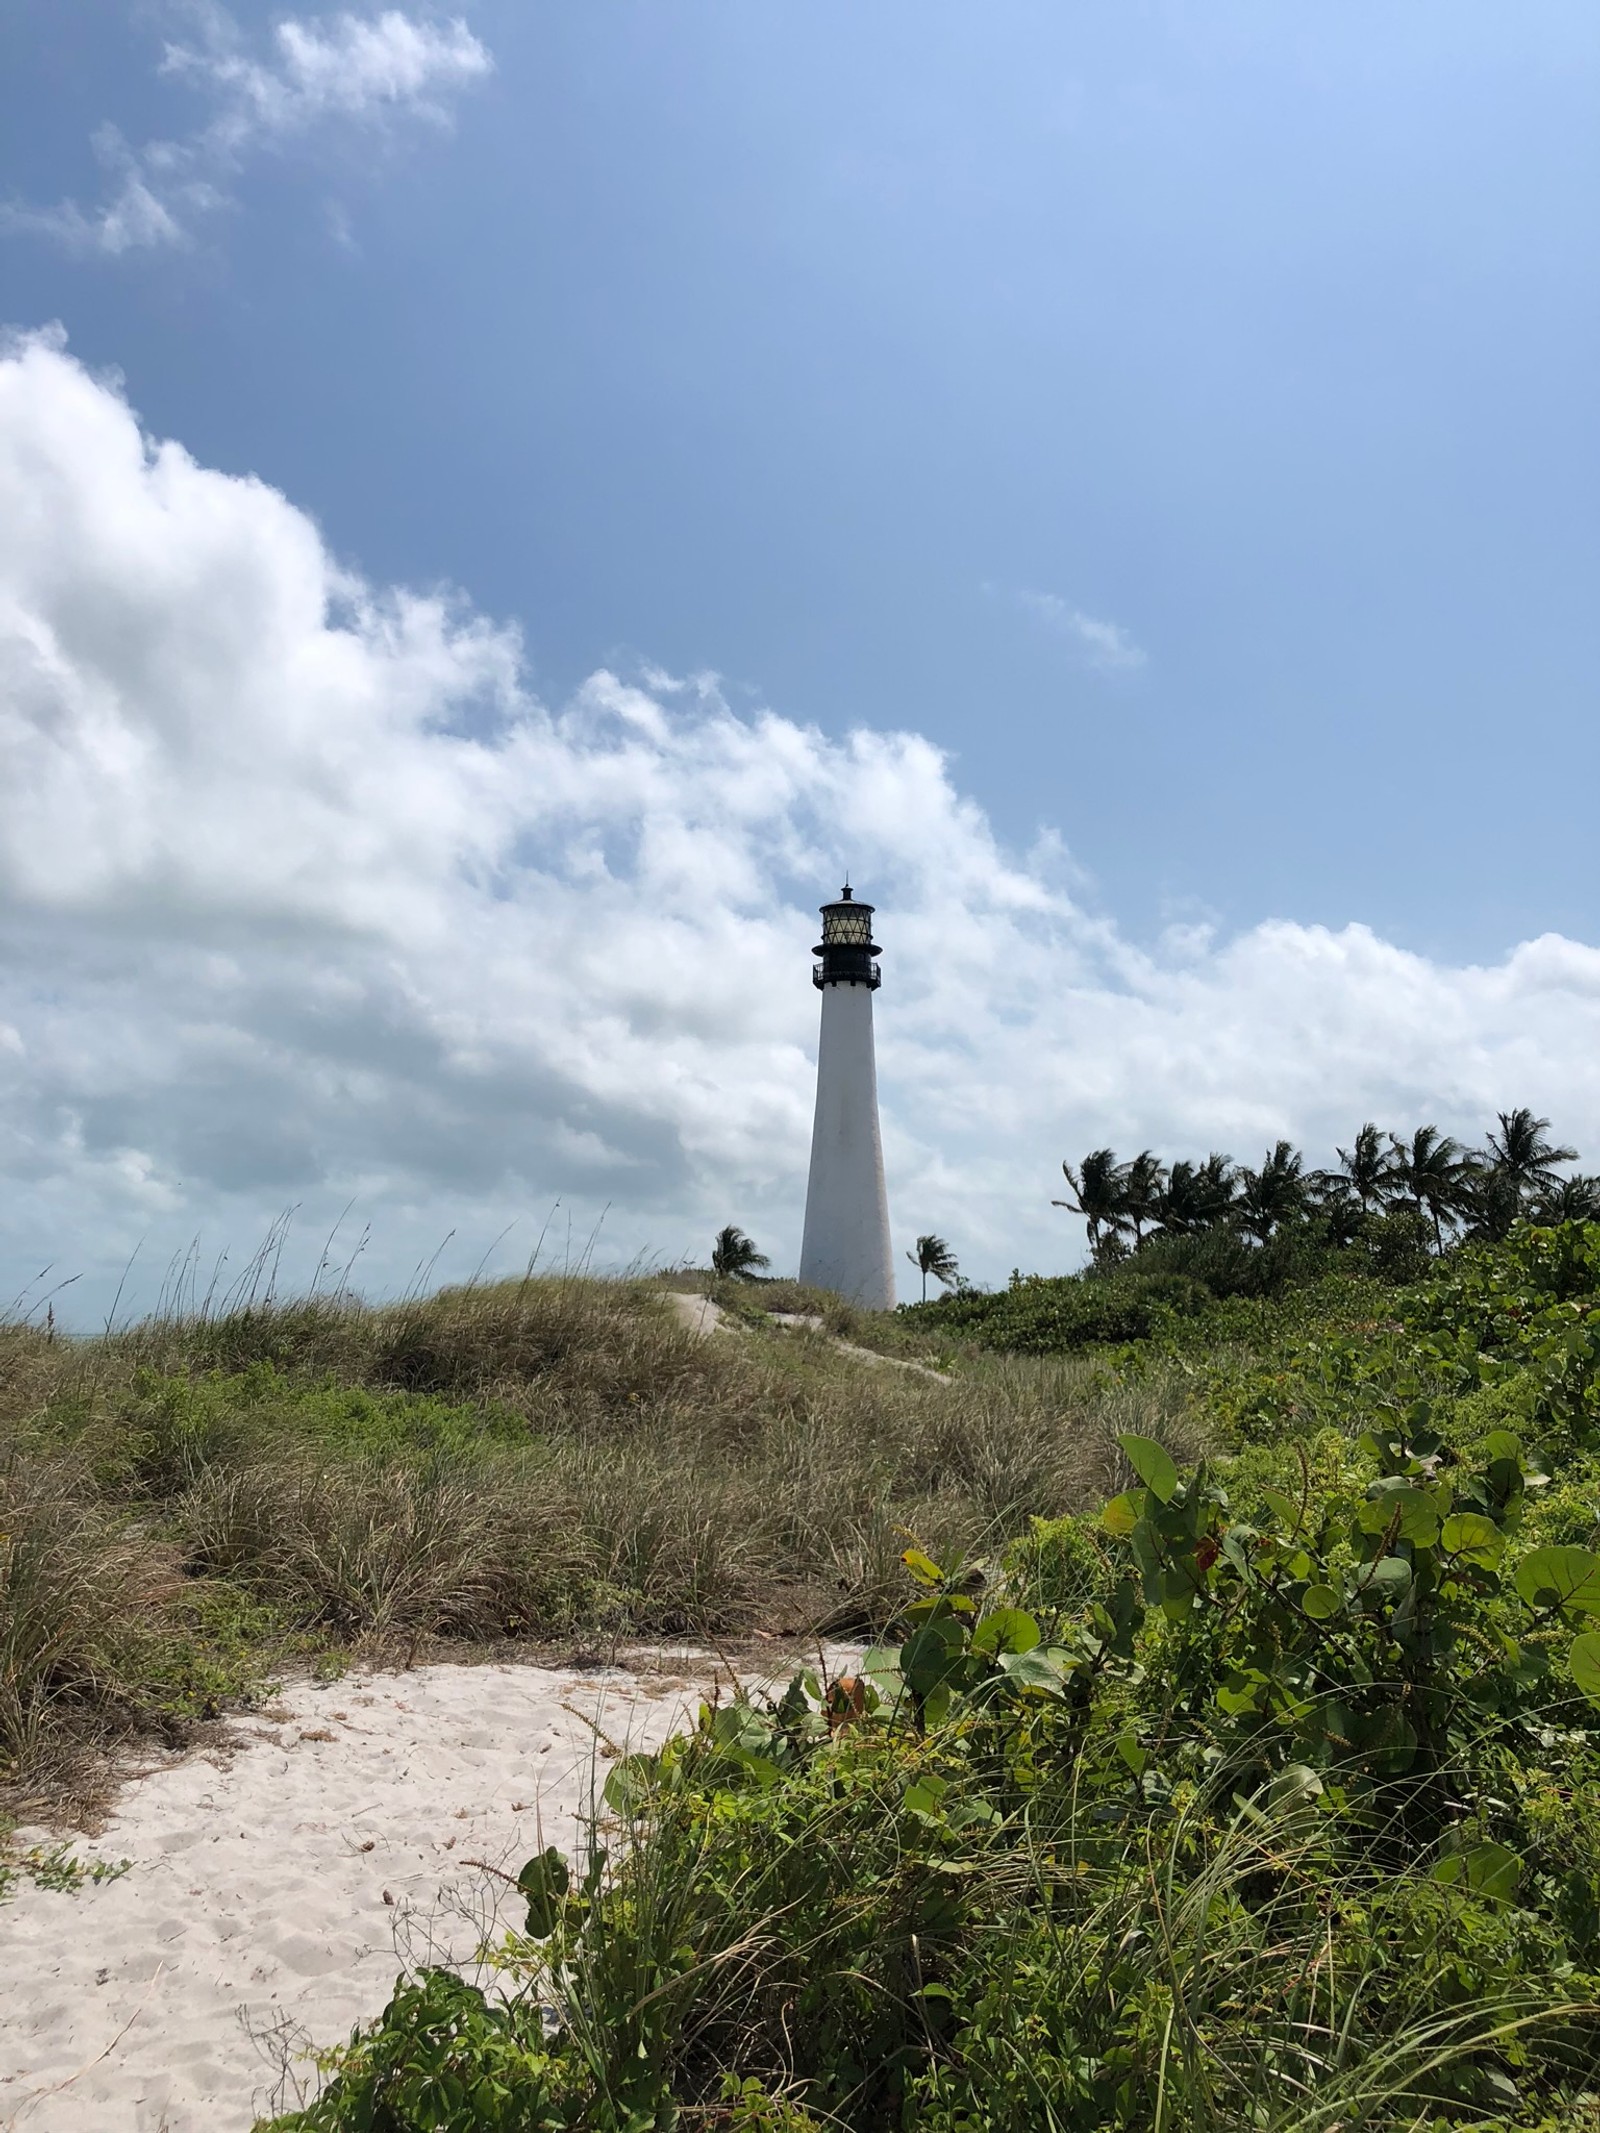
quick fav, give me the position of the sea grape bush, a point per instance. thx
(1376, 1640)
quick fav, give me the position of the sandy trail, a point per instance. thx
(279, 1885)
(702, 1316)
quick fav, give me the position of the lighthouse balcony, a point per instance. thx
(843, 968)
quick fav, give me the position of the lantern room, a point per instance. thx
(847, 947)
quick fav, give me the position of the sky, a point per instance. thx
(501, 506)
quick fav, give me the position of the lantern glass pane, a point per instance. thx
(847, 927)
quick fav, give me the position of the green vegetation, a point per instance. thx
(1227, 1756)
(1173, 1251)
(1477, 1194)
(54, 1867)
(193, 1505)
(1268, 1796)
(933, 1256)
(734, 1254)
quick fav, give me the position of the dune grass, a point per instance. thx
(195, 1501)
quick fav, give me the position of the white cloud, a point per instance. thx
(1105, 646)
(304, 898)
(345, 65)
(364, 70)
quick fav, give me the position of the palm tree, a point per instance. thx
(1487, 1200)
(1196, 1196)
(1436, 1175)
(735, 1254)
(1336, 1199)
(1368, 1168)
(1570, 1200)
(1097, 1189)
(1272, 1195)
(1142, 1181)
(933, 1256)
(1521, 1153)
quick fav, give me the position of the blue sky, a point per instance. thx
(1182, 419)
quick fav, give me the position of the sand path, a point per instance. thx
(279, 1884)
(702, 1316)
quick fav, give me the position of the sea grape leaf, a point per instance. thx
(968, 1814)
(924, 1794)
(1584, 1660)
(1470, 1534)
(1244, 1692)
(1006, 1629)
(1388, 1578)
(1295, 1785)
(930, 1655)
(1487, 1869)
(1153, 1464)
(1120, 1516)
(936, 1704)
(1411, 1512)
(544, 1881)
(1561, 1577)
(1036, 1670)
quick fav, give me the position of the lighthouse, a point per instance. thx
(846, 1243)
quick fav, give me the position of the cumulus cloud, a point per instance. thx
(1105, 646)
(305, 899)
(340, 69)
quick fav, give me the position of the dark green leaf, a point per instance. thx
(1006, 1629)
(930, 1655)
(1487, 1869)
(630, 1784)
(1284, 1508)
(544, 1881)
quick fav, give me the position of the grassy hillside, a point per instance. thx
(1267, 1796)
(191, 1504)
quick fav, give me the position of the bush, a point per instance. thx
(1188, 1290)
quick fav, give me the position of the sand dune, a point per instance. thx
(279, 1884)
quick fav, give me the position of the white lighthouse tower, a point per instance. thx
(846, 1243)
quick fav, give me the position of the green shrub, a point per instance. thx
(1058, 1567)
(448, 2060)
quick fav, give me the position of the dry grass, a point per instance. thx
(525, 1460)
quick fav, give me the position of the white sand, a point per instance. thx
(279, 1886)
